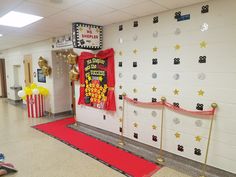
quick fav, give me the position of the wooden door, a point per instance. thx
(28, 70)
(3, 83)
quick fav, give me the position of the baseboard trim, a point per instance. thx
(148, 152)
(59, 114)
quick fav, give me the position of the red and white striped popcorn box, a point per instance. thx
(35, 105)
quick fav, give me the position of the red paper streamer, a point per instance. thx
(171, 106)
(139, 103)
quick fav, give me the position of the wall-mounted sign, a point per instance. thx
(41, 77)
(62, 41)
(86, 36)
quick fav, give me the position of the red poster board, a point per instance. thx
(97, 79)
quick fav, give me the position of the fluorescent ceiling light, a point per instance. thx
(0, 35)
(18, 19)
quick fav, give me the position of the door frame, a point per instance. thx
(73, 99)
(3, 80)
(28, 69)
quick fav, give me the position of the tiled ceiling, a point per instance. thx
(59, 14)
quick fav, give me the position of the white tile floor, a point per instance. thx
(37, 155)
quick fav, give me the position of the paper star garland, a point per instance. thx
(120, 87)
(177, 47)
(120, 119)
(201, 92)
(154, 127)
(120, 53)
(135, 51)
(177, 135)
(203, 44)
(176, 92)
(154, 89)
(198, 138)
(154, 49)
(135, 90)
(135, 125)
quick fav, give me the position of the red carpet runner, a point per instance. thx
(119, 159)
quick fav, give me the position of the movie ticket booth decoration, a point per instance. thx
(97, 80)
(87, 36)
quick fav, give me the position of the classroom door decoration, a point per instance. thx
(34, 96)
(97, 80)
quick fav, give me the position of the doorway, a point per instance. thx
(63, 87)
(28, 69)
(3, 83)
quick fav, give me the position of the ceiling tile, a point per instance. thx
(6, 29)
(170, 4)
(71, 16)
(36, 9)
(52, 26)
(91, 9)
(143, 9)
(64, 5)
(114, 17)
(6, 5)
(118, 4)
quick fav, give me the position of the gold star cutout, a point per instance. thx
(97, 30)
(177, 135)
(81, 29)
(135, 125)
(203, 44)
(177, 47)
(201, 92)
(100, 78)
(198, 138)
(120, 119)
(135, 51)
(154, 49)
(154, 89)
(176, 92)
(120, 53)
(135, 90)
(89, 78)
(154, 127)
(120, 86)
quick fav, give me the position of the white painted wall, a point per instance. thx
(15, 56)
(219, 85)
(59, 98)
